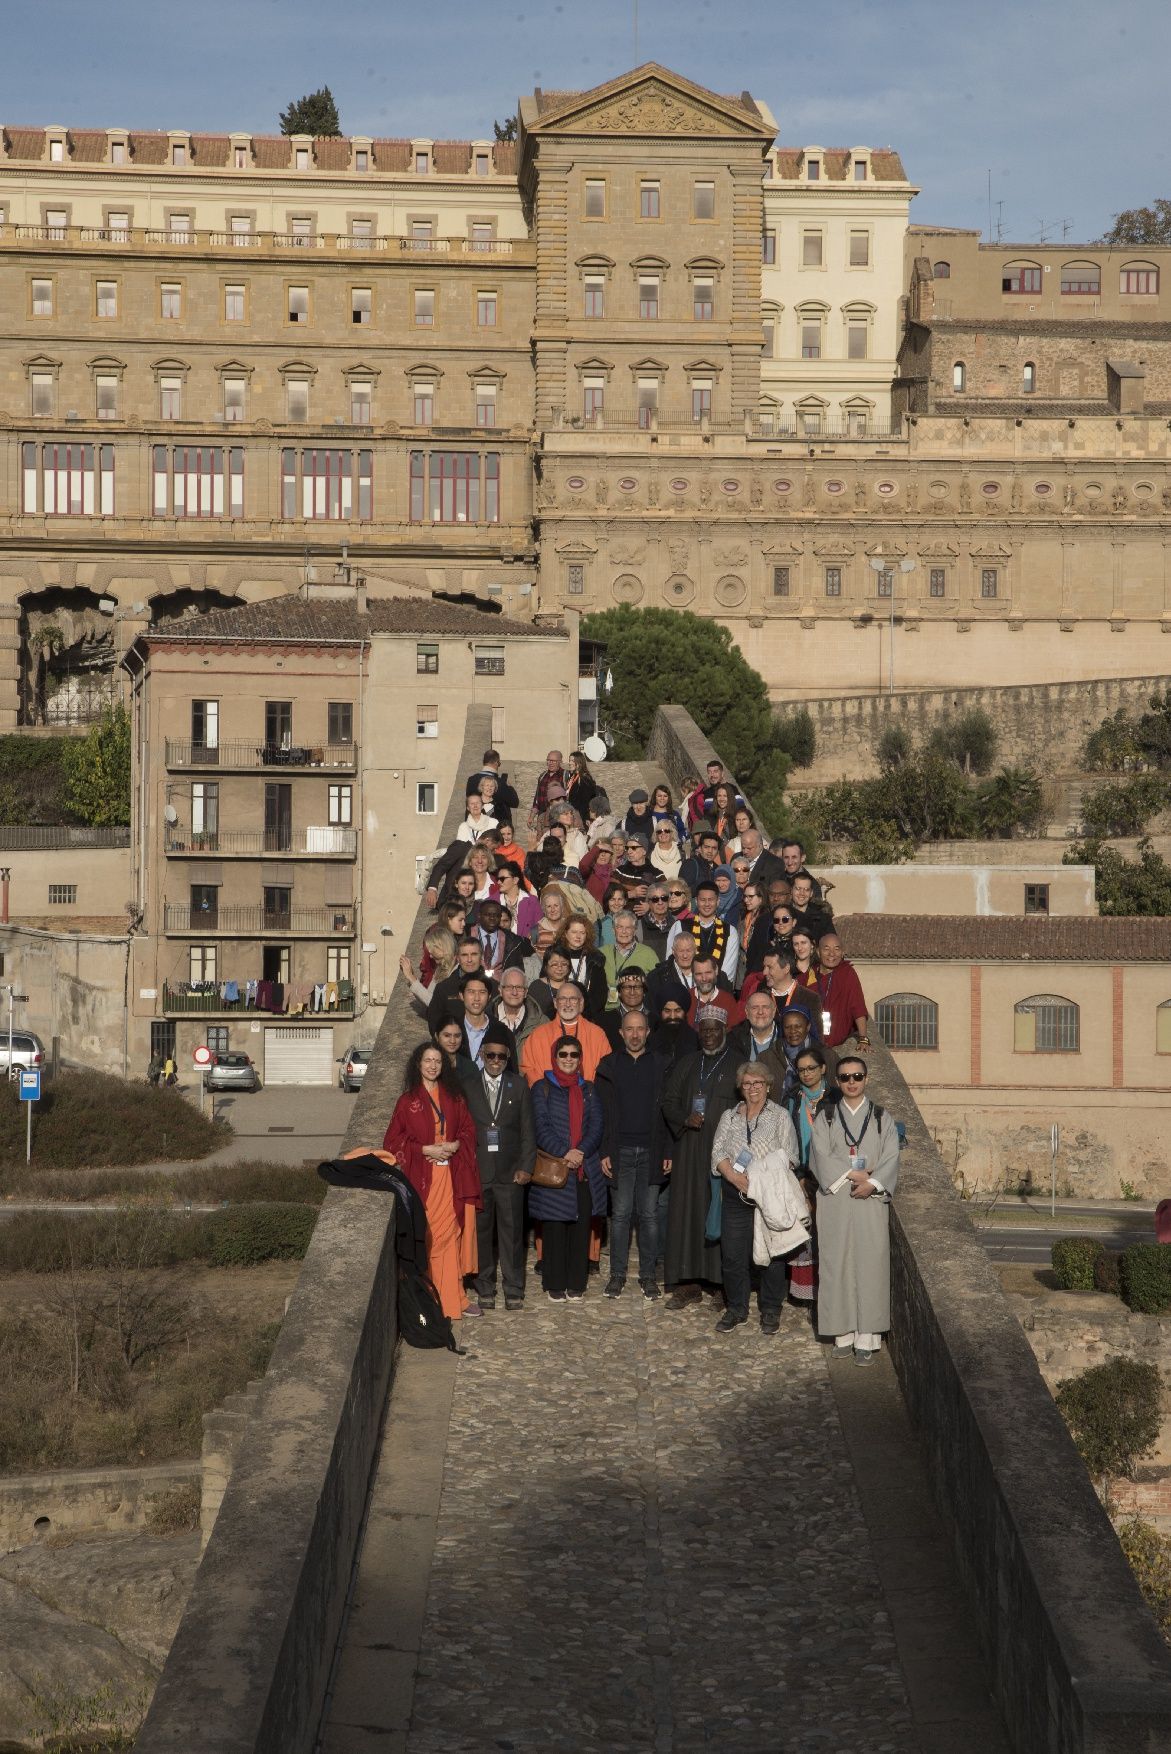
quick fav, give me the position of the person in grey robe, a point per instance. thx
(701, 1088)
(854, 1158)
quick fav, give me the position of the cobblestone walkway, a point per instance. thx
(649, 1538)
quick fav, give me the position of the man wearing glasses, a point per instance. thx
(854, 1158)
(537, 1054)
(657, 921)
(506, 1149)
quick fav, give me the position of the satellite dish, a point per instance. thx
(171, 814)
(594, 749)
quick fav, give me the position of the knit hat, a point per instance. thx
(638, 796)
(711, 1014)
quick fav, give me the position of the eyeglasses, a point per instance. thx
(851, 1077)
(494, 1054)
(569, 1057)
(665, 833)
(677, 894)
(805, 1070)
(782, 919)
(656, 898)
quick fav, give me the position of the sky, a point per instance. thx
(1063, 101)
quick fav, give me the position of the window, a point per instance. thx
(297, 400)
(781, 581)
(937, 581)
(1047, 1024)
(118, 226)
(361, 403)
(648, 201)
(1021, 278)
(43, 386)
(427, 721)
(424, 309)
(768, 248)
(989, 581)
(769, 350)
(118, 152)
(575, 579)
(907, 1020)
(483, 235)
(482, 165)
(62, 894)
(941, 270)
(301, 233)
(859, 170)
(361, 232)
(810, 337)
(337, 962)
(178, 154)
(425, 798)
(703, 294)
(240, 226)
(76, 480)
(205, 905)
(217, 1038)
(1163, 1027)
(189, 482)
(179, 228)
(205, 805)
(489, 660)
(833, 581)
(485, 404)
(361, 304)
(106, 394)
(857, 422)
(424, 404)
(593, 398)
(162, 1041)
(811, 417)
(458, 484)
(427, 660)
(857, 336)
(859, 249)
(595, 295)
(595, 198)
(240, 157)
(278, 724)
(812, 249)
(703, 201)
(885, 582)
(701, 399)
(327, 484)
(106, 298)
(1036, 898)
(648, 401)
(171, 300)
(1081, 277)
(278, 818)
(959, 375)
(56, 224)
(648, 296)
(170, 398)
(42, 298)
(422, 163)
(340, 722)
(235, 390)
(233, 304)
(813, 170)
(205, 724)
(1028, 378)
(1139, 279)
(341, 805)
(202, 963)
(301, 162)
(486, 310)
(298, 304)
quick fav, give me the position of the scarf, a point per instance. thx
(728, 906)
(716, 934)
(791, 1052)
(574, 1085)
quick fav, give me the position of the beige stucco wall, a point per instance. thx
(75, 989)
(102, 876)
(984, 889)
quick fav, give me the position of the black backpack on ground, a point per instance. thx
(421, 1320)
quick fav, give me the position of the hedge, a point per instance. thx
(1113, 1414)
(236, 1236)
(1106, 1273)
(243, 1236)
(1144, 1271)
(1073, 1259)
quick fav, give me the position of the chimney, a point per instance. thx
(1126, 386)
(5, 878)
(361, 599)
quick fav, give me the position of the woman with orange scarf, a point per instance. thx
(433, 1139)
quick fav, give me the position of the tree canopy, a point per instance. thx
(1141, 225)
(505, 130)
(97, 771)
(1125, 886)
(315, 113)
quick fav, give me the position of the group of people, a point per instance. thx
(646, 1020)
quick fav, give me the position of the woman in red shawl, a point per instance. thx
(433, 1138)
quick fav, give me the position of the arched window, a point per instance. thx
(959, 375)
(1047, 1024)
(908, 1020)
(941, 270)
(1163, 1027)
(1138, 277)
(1081, 278)
(1029, 378)
(1023, 277)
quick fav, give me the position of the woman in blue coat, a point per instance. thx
(567, 1113)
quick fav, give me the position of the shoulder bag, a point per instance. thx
(550, 1171)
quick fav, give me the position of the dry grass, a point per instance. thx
(203, 1184)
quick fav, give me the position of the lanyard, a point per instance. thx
(712, 1069)
(440, 1119)
(757, 1050)
(828, 978)
(850, 1139)
(748, 1125)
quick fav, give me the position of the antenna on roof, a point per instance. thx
(635, 62)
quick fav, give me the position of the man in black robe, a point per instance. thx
(700, 1089)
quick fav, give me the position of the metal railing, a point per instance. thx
(750, 424)
(179, 1000)
(183, 753)
(51, 838)
(166, 238)
(319, 842)
(248, 921)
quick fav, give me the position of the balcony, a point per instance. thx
(207, 999)
(324, 841)
(753, 424)
(167, 241)
(256, 921)
(243, 757)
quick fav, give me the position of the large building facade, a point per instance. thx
(642, 354)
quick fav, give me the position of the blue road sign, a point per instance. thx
(30, 1085)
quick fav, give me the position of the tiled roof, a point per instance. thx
(88, 145)
(962, 938)
(149, 148)
(272, 152)
(886, 166)
(1055, 327)
(292, 618)
(504, 158)
(210, 150)
(452, 157)
(331, 152)
(392, 155)
(25, 142)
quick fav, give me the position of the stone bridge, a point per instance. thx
(609, 1528)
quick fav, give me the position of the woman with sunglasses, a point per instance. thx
(433, 1138)
(663, 811)
(567, 1116)
(678, 898)
(854, 1156)
(667, 852)
(520, 901)
(813, 1081)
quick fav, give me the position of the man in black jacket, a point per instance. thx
(631, 997)
(506, 1149)
(701, 866)
(636, 1152)
(447, 994)
(505, 799)
(501, 949)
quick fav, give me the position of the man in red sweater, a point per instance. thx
(842, 1001)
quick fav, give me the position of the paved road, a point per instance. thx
(1030, 1242)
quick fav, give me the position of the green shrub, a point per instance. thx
(1073, 1259)
(93, 1120)
(1144, 1270)
(243, 1236)
(296, 1184)
(1149, 1556)
(1106, 1273)
(1112, 1411)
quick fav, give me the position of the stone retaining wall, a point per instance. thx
(84, 1501)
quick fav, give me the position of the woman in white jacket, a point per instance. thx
(764, 1214)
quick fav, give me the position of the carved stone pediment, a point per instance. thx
(886, 550)
(834, 550)
(990, 551)
(782, 550)
(938, 550)
(576, 550)
(654, 106)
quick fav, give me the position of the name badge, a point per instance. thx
(699, 1105)
(743, 1157)
(825, 1023)
(492, 1138)
(859, 1161)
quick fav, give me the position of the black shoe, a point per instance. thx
(770, 1322)
(614, 1286)
(728, 1321)
(683, 1299)
(650, 1289)
(514, 1303)
(487, 1303)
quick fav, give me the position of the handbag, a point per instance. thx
(550, 1171)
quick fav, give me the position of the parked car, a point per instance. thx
(27, 1051)
(232, 1072)
(353, 1068)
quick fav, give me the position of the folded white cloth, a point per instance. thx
(780, 1222)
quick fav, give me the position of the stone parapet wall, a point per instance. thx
(82, 1501)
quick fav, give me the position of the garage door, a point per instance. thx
(298, 1055)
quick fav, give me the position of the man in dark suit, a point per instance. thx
(501, 949)
(764, 866)
(506, 1149)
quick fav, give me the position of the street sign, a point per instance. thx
(30, 1085)
(202, 1056)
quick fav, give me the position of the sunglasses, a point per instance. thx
(782, 919)
(493, 1054)
(851, 1077)
(665, 833)
(573, 1057)
(677, 894)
